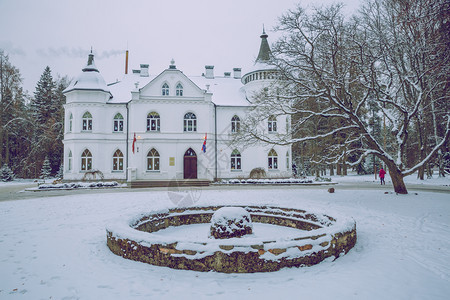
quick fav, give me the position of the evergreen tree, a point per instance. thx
(6, 174)
(46, 169)
(60, 173)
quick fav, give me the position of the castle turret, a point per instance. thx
(89, 86)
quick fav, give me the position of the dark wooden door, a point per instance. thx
(190, 164)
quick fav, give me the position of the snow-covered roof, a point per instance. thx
(89, 79)
(226, 91)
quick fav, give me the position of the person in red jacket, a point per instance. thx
(382, 173)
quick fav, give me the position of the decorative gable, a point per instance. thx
(172, 84)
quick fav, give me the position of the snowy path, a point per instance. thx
(55, 248)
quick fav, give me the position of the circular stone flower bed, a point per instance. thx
(316, 237)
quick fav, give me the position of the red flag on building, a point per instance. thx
(134, 141)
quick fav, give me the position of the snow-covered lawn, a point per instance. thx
(55, 248)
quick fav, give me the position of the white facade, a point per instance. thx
(169, 114)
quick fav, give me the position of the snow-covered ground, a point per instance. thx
(55, 248)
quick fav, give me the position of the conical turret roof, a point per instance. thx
(264, 49)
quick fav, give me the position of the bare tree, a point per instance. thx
(340, 70)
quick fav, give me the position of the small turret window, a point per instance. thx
(70, 122)
(87, 122)
(86, 160)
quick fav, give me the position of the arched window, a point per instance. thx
(87, 122)
(190, 122)
(69, 161)
(86, 160)
(272, 124)
(118, 161)
(118, 123)
(165, 89)
(70, 122)
(235, 124)
(272, 160)
(179, 90)
(235, 160)
(153, 121)
(153, 160)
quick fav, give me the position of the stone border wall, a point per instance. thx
(266, 256)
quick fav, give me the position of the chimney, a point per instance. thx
(209, 72)
(144, 70)
(126, 62)
(227, 74)
(236, 73)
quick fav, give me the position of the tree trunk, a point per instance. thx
(338, 169)
(331, 170)
(397, 179)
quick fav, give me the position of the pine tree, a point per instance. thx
(6, 174)
(60, 173)
(46, 169)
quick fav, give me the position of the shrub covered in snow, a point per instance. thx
(230, 222)
(258, 173)
(267, 181)
(81, 185)
(6, 174)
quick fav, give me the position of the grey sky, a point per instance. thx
(60, 33)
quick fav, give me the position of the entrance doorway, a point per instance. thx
(190, 164)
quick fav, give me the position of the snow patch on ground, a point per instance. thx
(56, 248)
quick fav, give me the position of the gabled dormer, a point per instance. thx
(171, 84)
(89, 86)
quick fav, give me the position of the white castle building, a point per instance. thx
(153, 127)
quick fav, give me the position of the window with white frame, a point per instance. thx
(235, 124)
(153, 160)
(236, 160)
(118, 161)
(118, 123)
(272, 124)
(86, 160)
(69, 161)
(70, 122)
(272, 160)
(190, 122)
(179, 90)
(153, 121)
(87, 122)
(165, 90)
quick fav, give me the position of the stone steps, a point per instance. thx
(168, 183)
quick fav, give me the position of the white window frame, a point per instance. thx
(153, 121)
(236, 161)
(86, 160)
(87, 122)
(235, 124)
(118, 123)
(190, 122)
(272, 160)
(153, 161)
(117, 163)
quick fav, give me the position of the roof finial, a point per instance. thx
(264, 30)
(91, 49)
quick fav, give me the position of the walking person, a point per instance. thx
(382, 173)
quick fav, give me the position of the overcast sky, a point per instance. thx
(195, 33)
